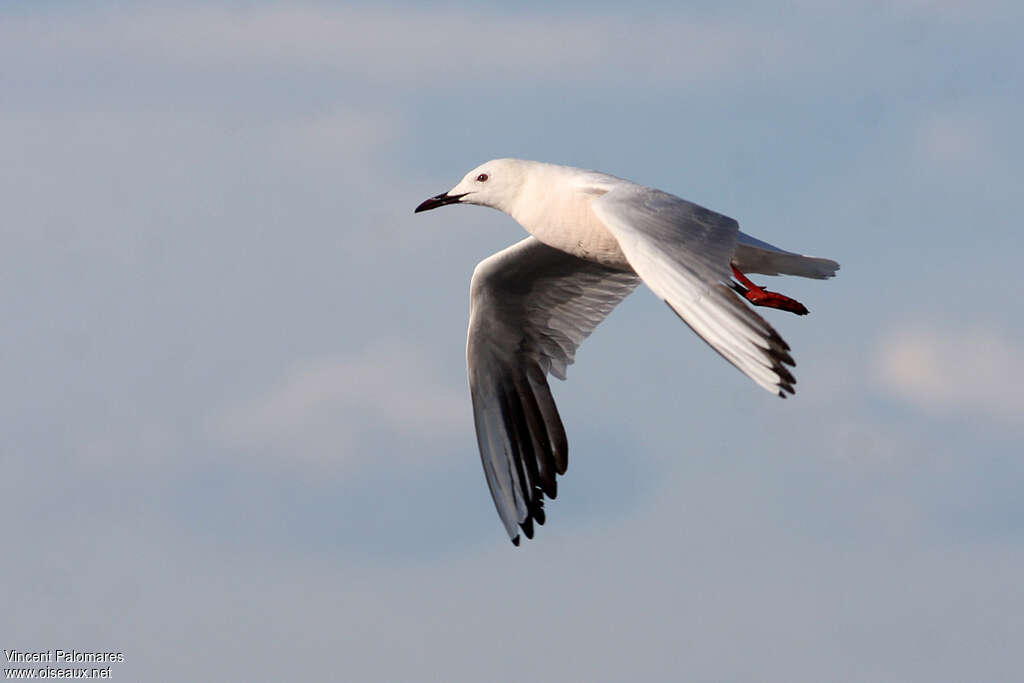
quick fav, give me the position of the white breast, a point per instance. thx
(560, 216)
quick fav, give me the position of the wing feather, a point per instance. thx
(682, 251)
(531, 308)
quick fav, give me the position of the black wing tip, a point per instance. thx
(535, 513)
(779, 353)
(787, 382)
(537, 444)
(539, 516)
(560, 452)
(786, 378)
(527, 527)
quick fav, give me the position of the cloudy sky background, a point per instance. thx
(236, 435)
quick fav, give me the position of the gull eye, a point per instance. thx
(482, 178)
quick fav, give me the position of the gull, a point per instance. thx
(593, 238)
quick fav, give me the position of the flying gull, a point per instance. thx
(593, 239)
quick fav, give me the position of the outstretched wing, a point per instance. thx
(531, 306)
(682, 251)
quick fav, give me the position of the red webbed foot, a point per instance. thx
(762, 297)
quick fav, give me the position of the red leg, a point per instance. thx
(762, 297)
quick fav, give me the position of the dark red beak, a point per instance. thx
(439, 200)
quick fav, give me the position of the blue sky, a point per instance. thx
(237, 441)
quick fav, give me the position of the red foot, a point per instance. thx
(762, 297)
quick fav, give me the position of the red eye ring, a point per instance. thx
(482, 178)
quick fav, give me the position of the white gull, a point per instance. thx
(594, 238)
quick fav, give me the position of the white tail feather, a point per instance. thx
(754, 256)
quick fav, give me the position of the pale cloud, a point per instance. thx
(960, 10)
(869, 446)
(71, 141)
(950, 369)
(322, 410)
(957, 140)
(412, 46)
(124, 177)
(950, 9)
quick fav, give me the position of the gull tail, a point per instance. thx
(754, 256)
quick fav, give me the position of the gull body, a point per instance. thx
(594, 238)
(555, 206)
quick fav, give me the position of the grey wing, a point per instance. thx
(682, 251)
(531, 306)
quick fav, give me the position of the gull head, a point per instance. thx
(496, 184)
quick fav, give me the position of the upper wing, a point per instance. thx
(682, 251)
(531, 306)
